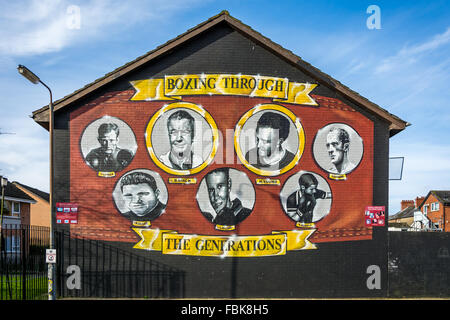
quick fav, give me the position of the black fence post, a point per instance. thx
(59, 265)
(24, 264)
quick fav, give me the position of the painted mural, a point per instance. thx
(226, 197)
(271, 138)
(140, 196)
(338, 149)
(182, 138)
(108, 145)
(221, 165)
(173, 87)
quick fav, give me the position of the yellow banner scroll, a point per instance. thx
(173, 87)
(171, 242)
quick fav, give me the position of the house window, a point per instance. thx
(12, 244)
(435, 206)
(11, 208)
(16, 208)
(425, 209)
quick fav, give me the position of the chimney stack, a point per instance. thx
(419, 201)
(407, 203)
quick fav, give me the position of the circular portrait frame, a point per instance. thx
(192, 107)
(91, 130)
(163, 196)
(300, 134)
(320, 153)
(241, 187)
(291, 186)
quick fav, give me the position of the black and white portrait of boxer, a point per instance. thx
(108, 144)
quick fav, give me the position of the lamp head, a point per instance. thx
(24, 71)
(4, 182)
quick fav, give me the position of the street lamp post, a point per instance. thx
(24, 71)
(4, 183)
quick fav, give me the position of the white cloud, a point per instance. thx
(38, 26)
(334, 51)
(419, 80)
(409, 55)
(437, 41)
(24, 154)
(412, 82)
(33, 27)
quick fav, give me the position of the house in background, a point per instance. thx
(17, 206)
(407, 219)
(16, 212)
(39, 211)
(429, 213)
(26, 217)
(436, 206)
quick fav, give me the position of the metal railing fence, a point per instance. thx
(23, 273)
(107, 271)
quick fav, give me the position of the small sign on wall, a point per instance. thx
(50, 256)
(375, 216)
(66, 213)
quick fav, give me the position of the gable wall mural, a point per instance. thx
(223, 165)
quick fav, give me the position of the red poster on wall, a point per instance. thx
(66, 213)
(375, 216)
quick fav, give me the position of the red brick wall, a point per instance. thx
(24, 213)
(419, 201)
(447, 218)
(99, 218)
(434, 216)
(406, 203)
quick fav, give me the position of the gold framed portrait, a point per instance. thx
(269, 139)
(182, 138)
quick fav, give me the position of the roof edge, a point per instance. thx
(28, 188)
(396, 124)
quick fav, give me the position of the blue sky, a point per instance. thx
(404, 67)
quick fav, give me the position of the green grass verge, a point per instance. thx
(11, 287)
